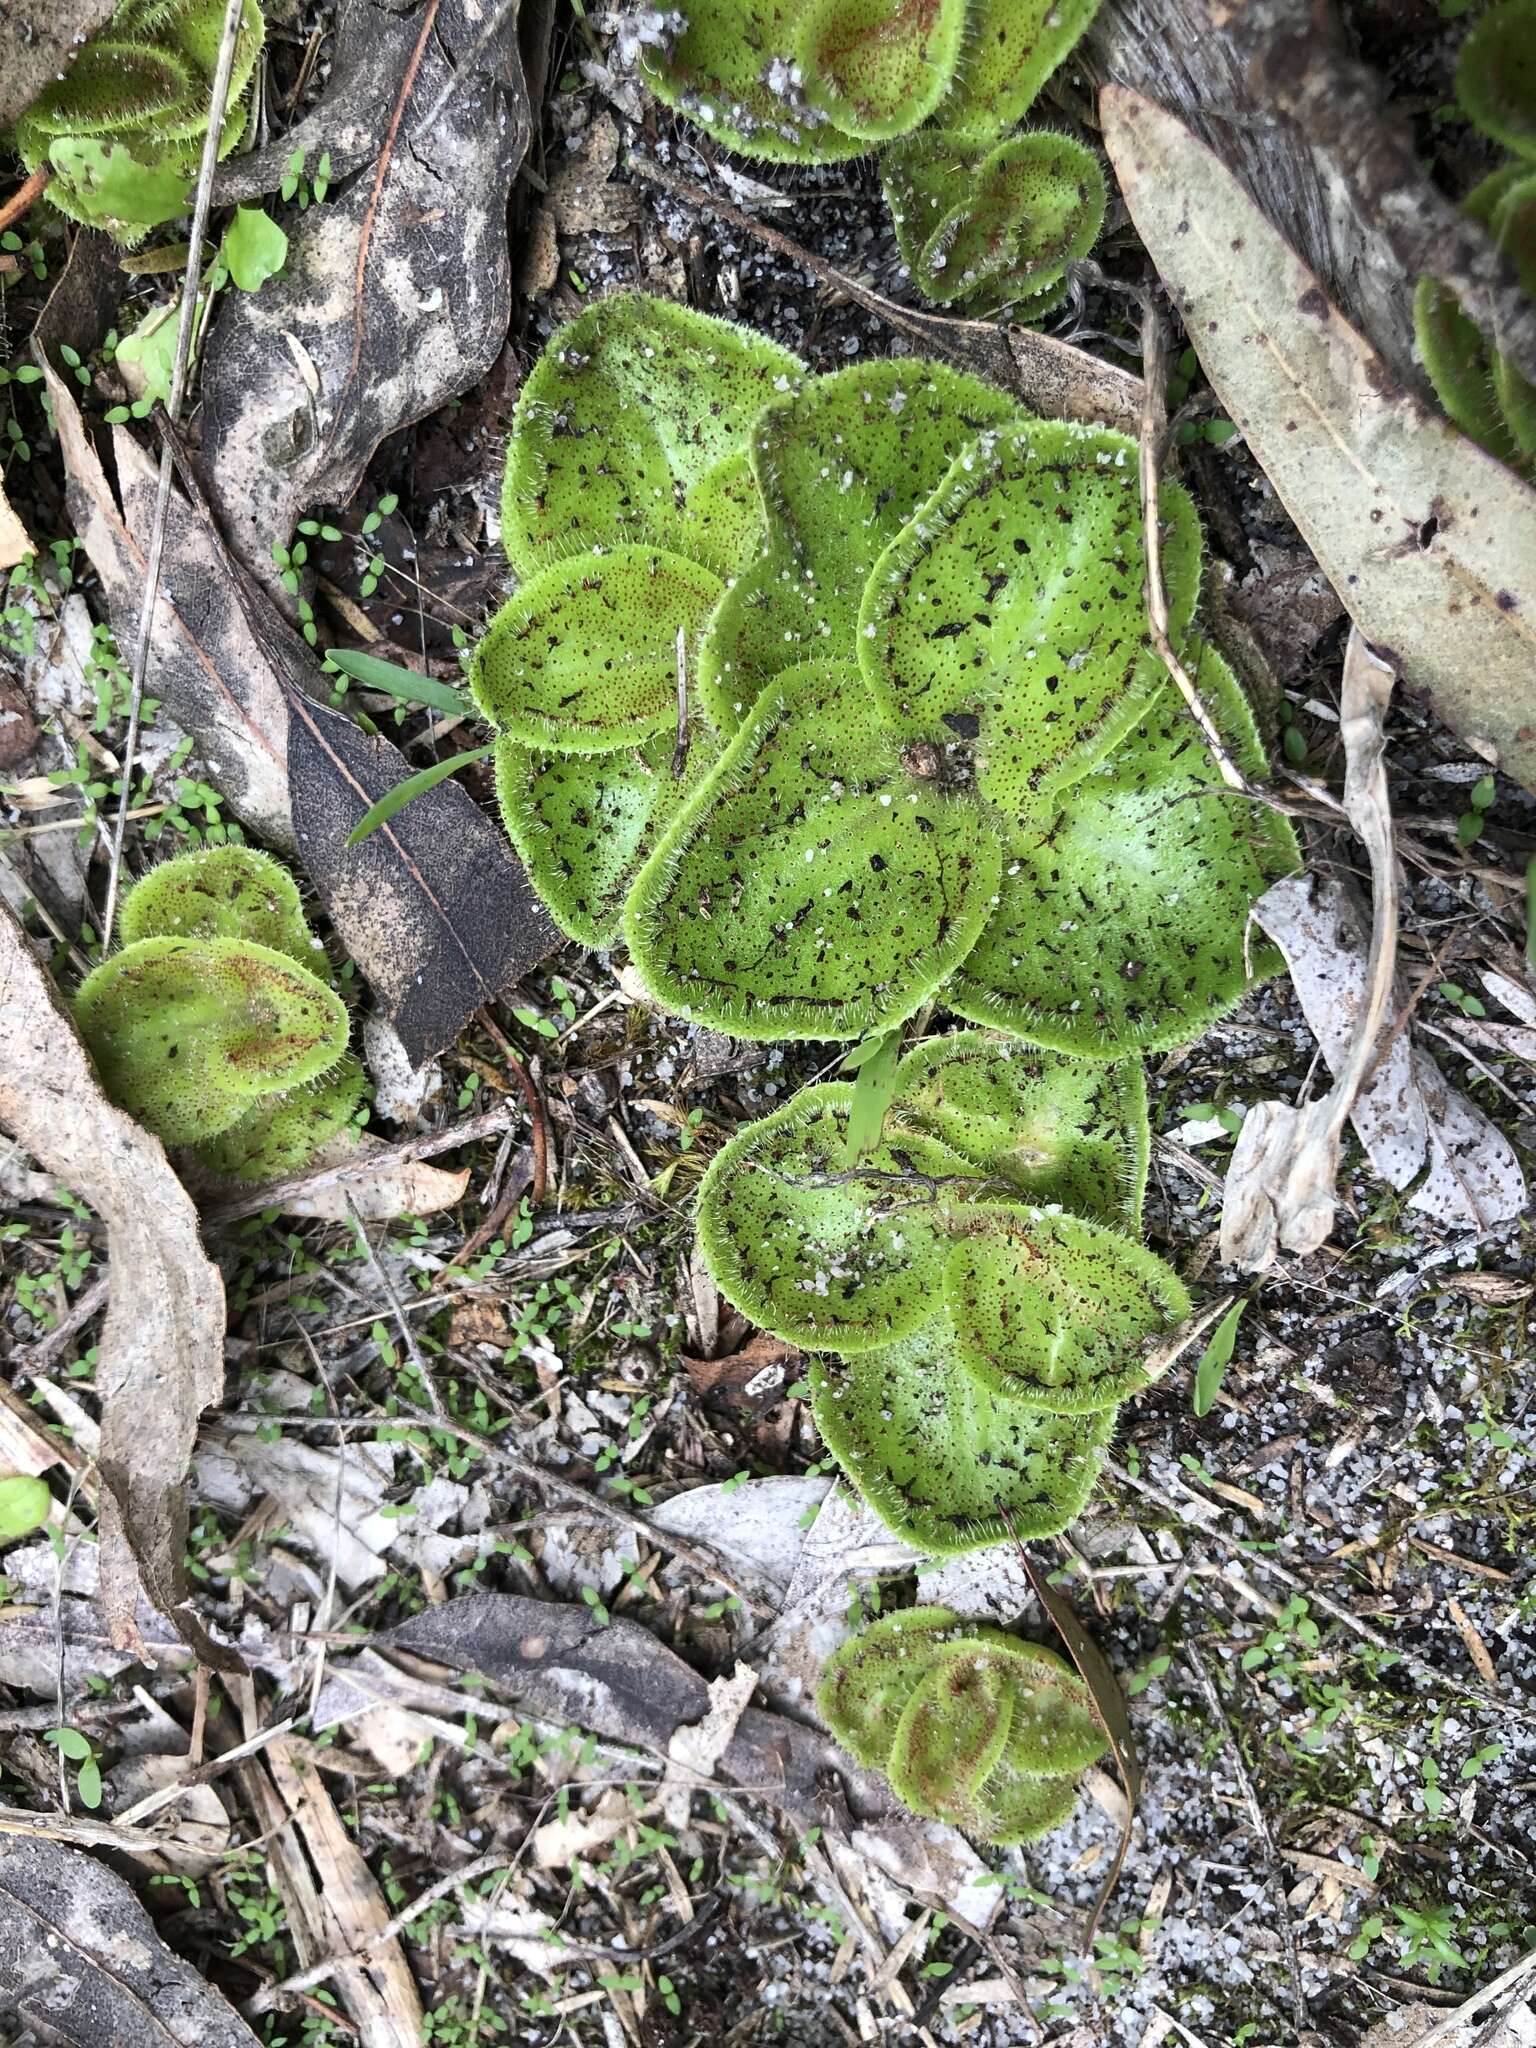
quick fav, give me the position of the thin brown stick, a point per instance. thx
(539, 1132)
(218, 99)
(1153, 437)
(1274, 1877)
(26, 196)
(1056, 378)
(371, 211)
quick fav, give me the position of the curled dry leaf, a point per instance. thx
(81, 1962)
(396, 292)
(162, 1344)
(433, 907)
(1429, 542)
(1280, 1185)
(1409, 1118)
(14, 539)
(396, 1187)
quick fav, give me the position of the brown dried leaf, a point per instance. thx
(162, 1344)
(398, 1187)
(14, 540)
(1430, 542)
(379, 1989)
(80, 1960)
(397, 289)
(434, 907)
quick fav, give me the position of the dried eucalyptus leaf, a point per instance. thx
(81, 1962)
(1054, 1310)
(941, 1459)
(1428, 541)
(846, 887)
(1008, 613)
(397, 291)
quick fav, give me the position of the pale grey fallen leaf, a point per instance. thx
(410, 1187)
(759, 1528)
(397, 289)
(80, 1960)
(1410, 1116)
(1429, 542)
(401, 1091)
(162, 1344)
(1512, 994)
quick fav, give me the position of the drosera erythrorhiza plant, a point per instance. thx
(121, 134)
(835, 696)
(970, 1725)
(984, 214)
(1008, 801)
(216, 1024)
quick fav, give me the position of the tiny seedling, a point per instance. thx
(121, 134)
(216, 1025)
(970, 1725)
(25, 1502)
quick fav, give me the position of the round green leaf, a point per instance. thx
(940, 1458)
(25, 1502)
(1007, 622)
(632, 429)
(1054, 1310)
(819, 1250)
(876, 68)
(1122, 920)
(814, 887)
(584, 657)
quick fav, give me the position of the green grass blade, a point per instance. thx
(403, 683)
(413, 786)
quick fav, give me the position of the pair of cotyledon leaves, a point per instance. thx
(972, 1289)
(122, 132)
(980, 214)
(1480, 388)
(971, 1726)
(927, 743)
(216, 1025)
